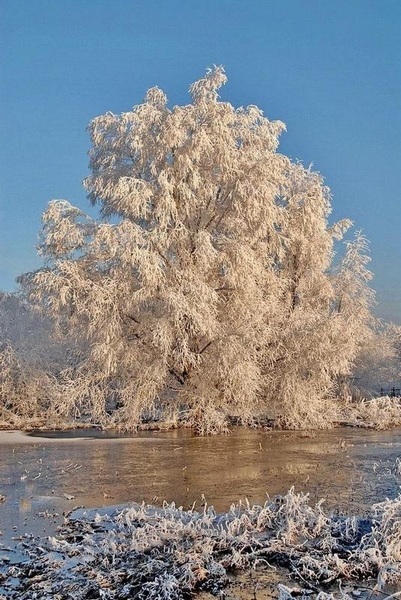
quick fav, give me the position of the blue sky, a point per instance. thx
(330, 69)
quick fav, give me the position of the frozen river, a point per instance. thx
(43, 477)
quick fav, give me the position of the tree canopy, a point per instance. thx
(206, 290)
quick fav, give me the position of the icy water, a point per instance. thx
(43, 477)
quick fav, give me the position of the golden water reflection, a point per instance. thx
(42, 478)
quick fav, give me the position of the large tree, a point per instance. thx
(204, 288)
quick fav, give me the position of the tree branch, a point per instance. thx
(171, 370)
(166, 260)
(205, 347)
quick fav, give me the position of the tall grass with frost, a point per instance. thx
(378, 413)
(170, 553)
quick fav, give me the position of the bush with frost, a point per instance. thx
(377, 413)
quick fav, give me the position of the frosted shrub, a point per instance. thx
(386, 538)
(163, 587)
(379, 413)
(170, 553)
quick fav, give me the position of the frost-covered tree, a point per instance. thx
(393, 332)
(359, 332)
(378, 362)
(303, 362)
(24, 384)
(204, 288)
(33, 362)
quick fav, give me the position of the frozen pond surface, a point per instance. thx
(42, 477)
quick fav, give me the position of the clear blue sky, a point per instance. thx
(330, 69)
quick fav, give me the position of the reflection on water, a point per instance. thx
(42, 477)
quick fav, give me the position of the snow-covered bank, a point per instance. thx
(380, 413)
(142, 552)
(18, 437)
